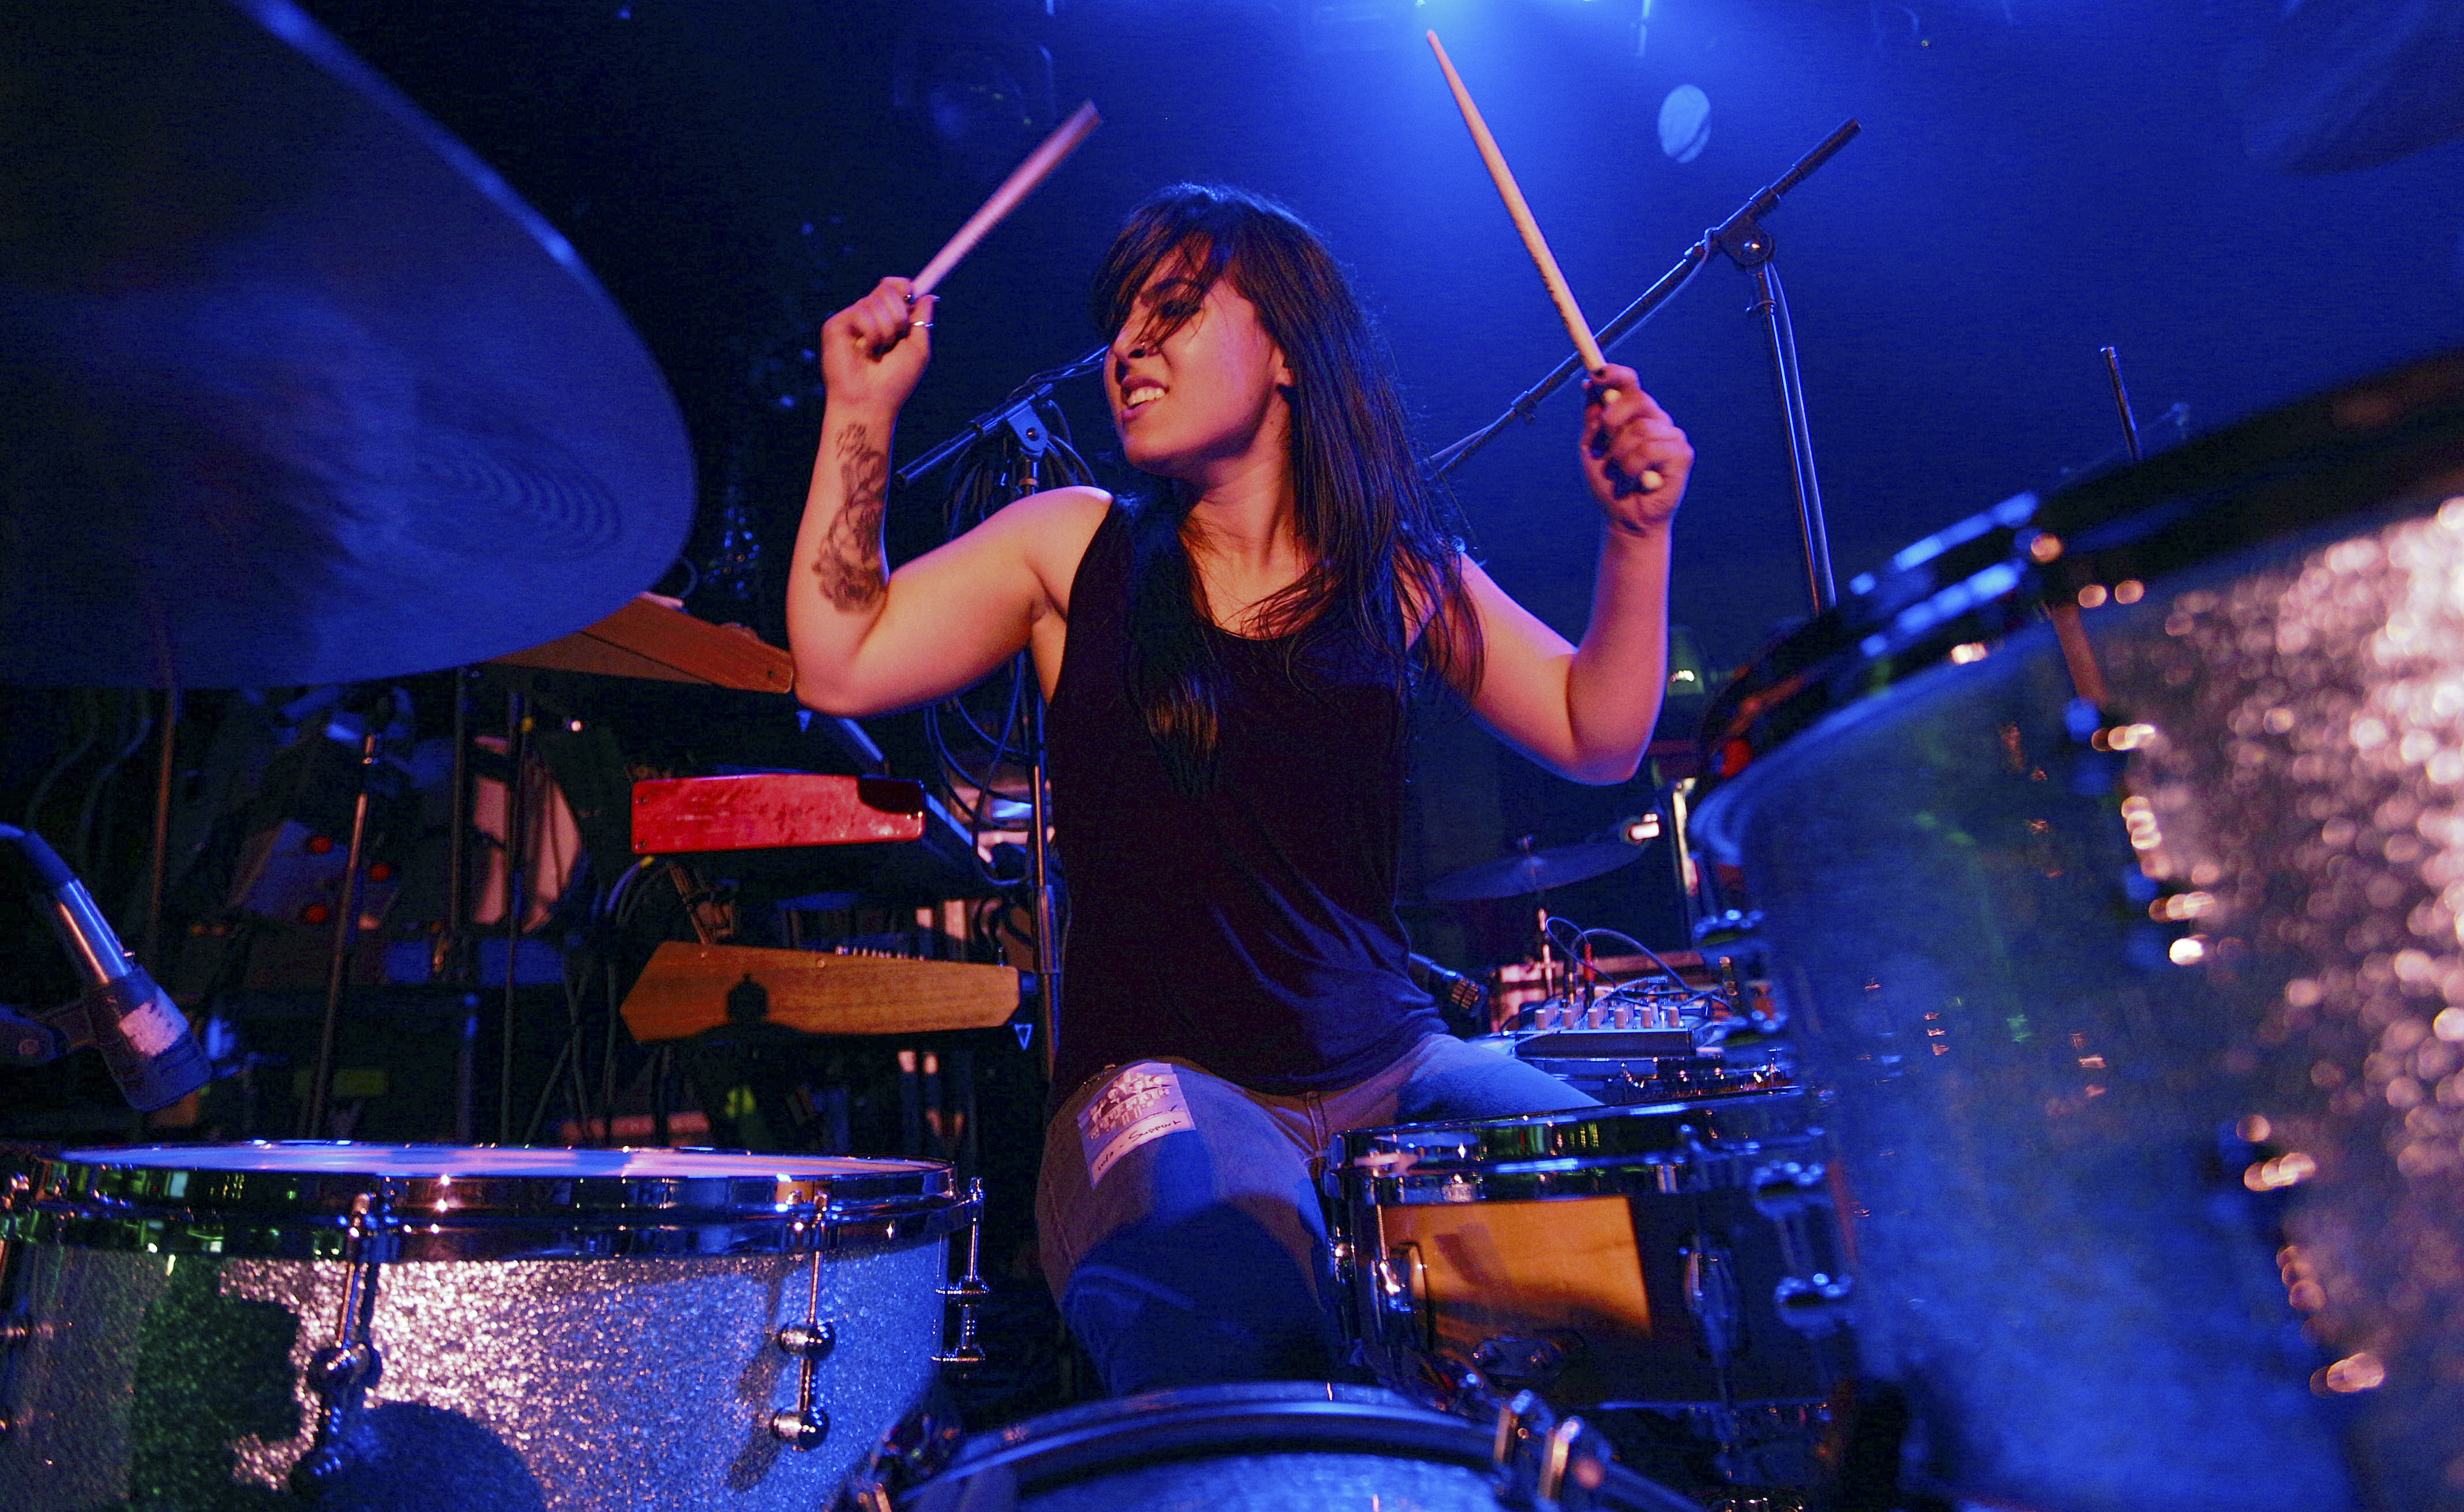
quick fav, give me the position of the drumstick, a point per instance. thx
(1020, 183)
(1533, 242)
(1537, 244)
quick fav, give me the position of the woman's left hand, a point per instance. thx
(1634, 456)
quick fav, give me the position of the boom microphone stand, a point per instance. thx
(1741, 239)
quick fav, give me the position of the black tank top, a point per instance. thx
(1251, 929)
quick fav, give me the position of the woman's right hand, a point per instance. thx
(875, 351)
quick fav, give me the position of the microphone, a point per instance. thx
(143, 1036)
(1463, 1001)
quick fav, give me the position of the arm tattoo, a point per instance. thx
(849, 563)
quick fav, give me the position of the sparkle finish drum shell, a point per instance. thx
(2109, 879)
(555, 1329)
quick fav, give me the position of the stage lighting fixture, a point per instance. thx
(1684, 122)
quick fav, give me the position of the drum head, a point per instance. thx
(1270, 1447)
(336, 1158)
(301, 1199)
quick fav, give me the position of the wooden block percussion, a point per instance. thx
(684, 991)
(647, 639)
(772, 811)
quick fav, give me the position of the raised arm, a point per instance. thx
(865, 640)
(1586, 711)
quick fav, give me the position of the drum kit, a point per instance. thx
(2105, 849)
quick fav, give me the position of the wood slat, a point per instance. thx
(684, 991)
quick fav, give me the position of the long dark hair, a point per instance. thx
(1364, 513)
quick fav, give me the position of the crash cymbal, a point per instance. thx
(292, 389)
(1533, 871)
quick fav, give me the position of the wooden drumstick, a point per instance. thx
(1020, 183)
(1533, 242)
(1537, 244)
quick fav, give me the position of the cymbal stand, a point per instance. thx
(1047, 948)
(449, 960)
(1751, 248)
(158, 865)
(346, 930)
(1036, 441)
(517, 751)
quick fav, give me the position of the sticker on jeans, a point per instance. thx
(1143, 1103)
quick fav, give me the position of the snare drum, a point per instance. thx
(193, 1326)
(1627, 1258)
(2109, 854)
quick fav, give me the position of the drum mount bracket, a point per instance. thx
(340, 1373)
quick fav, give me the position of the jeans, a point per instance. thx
(1181, 1230)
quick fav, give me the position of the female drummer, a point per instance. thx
(1227, 667)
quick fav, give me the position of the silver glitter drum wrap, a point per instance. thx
(2147, 1057)
(178, 1382)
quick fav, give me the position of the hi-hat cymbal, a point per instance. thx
(292, 389)
(1533, 871)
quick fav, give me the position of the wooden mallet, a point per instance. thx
(1537, 244)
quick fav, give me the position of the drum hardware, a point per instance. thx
(807, 1344)
(1712, 1294)
(1527, 1361)
(1796, 1197)
(1609, 1259)
(1544, 1462)
(969, 1289)
(911, 1451)
(529, 1259)
(1400, 1283)
(2231, 704)
(347, 929)
(339, 1375)
(1308, 1447)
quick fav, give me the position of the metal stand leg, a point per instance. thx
(1770, 303)
(347, 928)
(449, 961)
(1047, 949)
(517, 727)
(150, 940)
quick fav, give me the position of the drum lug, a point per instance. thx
(1712, 1296)
(804, 1425)
(1543, 1464)
(969, 1289)
(339, 1374)
(1796, 1197)
(1400, 1279)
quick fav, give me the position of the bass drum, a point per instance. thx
(1281, 1447)
(202, 1328)
(2108, 853)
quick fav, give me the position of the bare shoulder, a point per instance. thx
(1058, 509)
(1051, 531)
